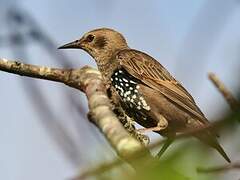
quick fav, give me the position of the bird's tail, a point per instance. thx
(209, 139)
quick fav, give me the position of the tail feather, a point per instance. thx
(209, 139)
(218, 147)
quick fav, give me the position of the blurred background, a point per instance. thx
(44, 133)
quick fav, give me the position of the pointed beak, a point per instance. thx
(72, 45)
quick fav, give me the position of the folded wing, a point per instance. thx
(154, 75)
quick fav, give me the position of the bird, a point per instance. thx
(147, 92)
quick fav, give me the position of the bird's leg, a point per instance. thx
(126, 121)
(162, 124)
(128, 124)
(165, 146)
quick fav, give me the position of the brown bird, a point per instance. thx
(146, 90)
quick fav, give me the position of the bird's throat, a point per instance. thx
(107, 69)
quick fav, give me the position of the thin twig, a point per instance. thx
(219, 168)
(231, 100)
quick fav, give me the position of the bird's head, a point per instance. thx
(101, 44)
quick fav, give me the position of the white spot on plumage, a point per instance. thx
(132, 82)
(144, 103)
(147, 108)
(128, 92)
(125, 80)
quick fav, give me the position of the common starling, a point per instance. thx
(147, 91)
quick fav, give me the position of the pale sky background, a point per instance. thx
(189, 37)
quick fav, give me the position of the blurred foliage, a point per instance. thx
(181, 161)
(180, 164)
(177, 164)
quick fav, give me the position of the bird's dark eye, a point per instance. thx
(90, 38)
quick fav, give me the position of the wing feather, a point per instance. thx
(153, 74)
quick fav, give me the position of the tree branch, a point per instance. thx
(41, 72)
(90, 82)
(231, 100)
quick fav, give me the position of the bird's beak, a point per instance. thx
(72, 45)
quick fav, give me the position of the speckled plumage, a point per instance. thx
(146, 89)
(127, 87)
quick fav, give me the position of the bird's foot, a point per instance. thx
(160, 126)
(145, 130)
(128, 124)
(144, 139)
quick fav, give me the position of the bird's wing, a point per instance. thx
(153, 74)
